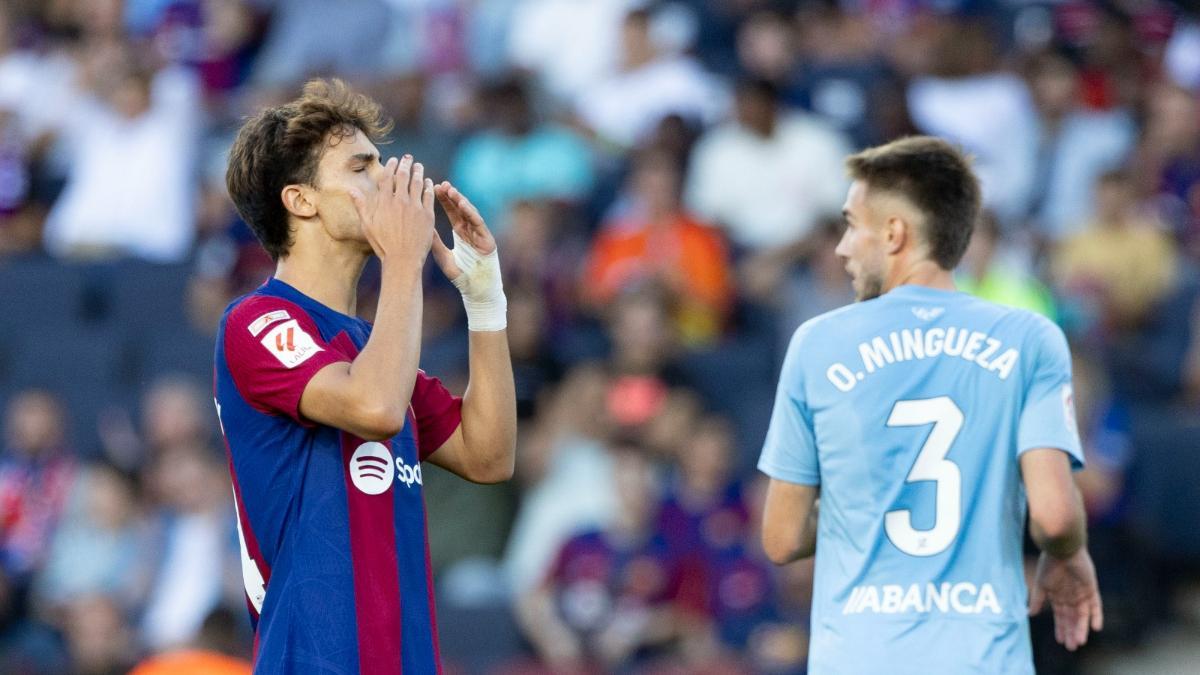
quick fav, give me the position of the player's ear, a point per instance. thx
(896, 233)
(297, 199)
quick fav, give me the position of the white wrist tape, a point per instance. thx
(481, 288)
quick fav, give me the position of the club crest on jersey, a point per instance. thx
(290, 344)
(267, 319)
(928, 313)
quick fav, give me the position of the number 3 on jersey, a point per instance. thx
(931, 464)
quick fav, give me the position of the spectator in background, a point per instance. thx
(175, 413)
(780, 645)
(37, 83)
(1074, 146)
(542, 254)
(100, 545)
(98, 637)
(961, 93)
(419, 128)
(842, 75)
(36, 473)
(1114, 272)
(566, 473)
(1168, 160)
(704, 506)
(129, 188)
(744, 611)
(649, 84)
(609, 597)
(192, 498)
(568, 44)
(643, 365)
(716, 27)
(987, 271)
(226, 42)
(1107, 445)
(767, 176)
(1120, 548)
(649, 398)
(766, 48)
(300, 43)
(36, 92)
(535, 368)
(517, 158)
(652, 240)
(666, 433)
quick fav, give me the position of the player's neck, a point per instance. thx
(924, 273)
(328, 275)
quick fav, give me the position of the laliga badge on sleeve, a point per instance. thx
(290, 344)
(267, 319)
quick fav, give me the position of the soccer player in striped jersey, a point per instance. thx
(327, 417)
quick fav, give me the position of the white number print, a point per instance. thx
(931, 464)
(252, 580)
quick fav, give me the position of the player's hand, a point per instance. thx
(1070, 587)
(468, 227)
(397, 216)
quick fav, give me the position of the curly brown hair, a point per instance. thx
(937, 178)
(283, 145)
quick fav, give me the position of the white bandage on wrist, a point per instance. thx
(481, 288)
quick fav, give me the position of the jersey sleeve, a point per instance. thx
(790, 450)
(272, 349)
(1048, 415)
(437, 412)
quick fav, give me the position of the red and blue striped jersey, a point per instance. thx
(335, 555)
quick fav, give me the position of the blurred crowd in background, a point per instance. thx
(665, 182)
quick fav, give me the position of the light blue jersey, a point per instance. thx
(910, 411)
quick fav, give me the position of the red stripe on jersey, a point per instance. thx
(254, 653)
(376, 572)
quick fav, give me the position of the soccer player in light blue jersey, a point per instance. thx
(925, 420)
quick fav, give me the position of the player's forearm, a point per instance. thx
(489, 413)
(1063, 532)
(385, 371)
(790, 522)
(808, 536)
(1061, 544)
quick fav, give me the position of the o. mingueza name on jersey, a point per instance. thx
(916, 343)
(963, 597)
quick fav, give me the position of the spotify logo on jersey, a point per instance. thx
(371, 468)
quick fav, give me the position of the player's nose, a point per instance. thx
(841, 252)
